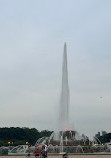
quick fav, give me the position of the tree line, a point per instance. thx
(17, 136)
(106, 138)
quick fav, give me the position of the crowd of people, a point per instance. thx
(42, 153)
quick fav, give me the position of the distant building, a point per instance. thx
(98, 134)
(103, 133)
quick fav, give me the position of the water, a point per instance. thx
(65, 138)
(64, 102)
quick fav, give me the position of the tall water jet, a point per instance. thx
(65, 138)
(64, 100)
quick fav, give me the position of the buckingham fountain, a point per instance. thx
(65, 138)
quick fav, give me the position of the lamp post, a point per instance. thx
(9, 143)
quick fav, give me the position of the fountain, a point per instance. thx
(64, 101)
(19, 150)
(79, 149)
(65, 137)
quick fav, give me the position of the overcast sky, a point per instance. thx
(32, 36)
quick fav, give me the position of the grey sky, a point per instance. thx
(32, 35)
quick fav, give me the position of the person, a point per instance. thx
(28, 155)
(36, 153)
(44, 152)
(65, 155)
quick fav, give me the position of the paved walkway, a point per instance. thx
(72, 156)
